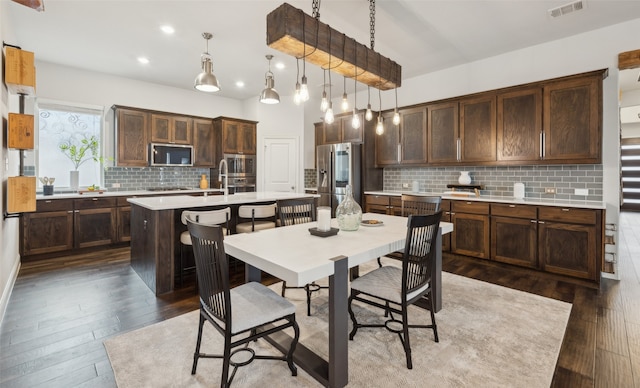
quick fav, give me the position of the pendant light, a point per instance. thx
(296, 95)
(369, 114)
(379, 126)
(345, 102)
(324, 104)
(396, 115)
(269, 95)
(206, 81)
(355, 119)
(328, 115)
(304, 88)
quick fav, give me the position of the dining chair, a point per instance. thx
(414, 205)
(394, 289)
(207, 217)
(242, 314)
(256, 217)
(293, 212)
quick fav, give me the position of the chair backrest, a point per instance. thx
(212, 271)
(419, 253)
(257, 211)
(208, 217)
(420, 204)
(296, 211)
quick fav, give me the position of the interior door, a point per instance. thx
(281, 164)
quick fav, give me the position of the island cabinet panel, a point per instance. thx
(470, 235)
(514, 234)
(442, 132)
(572, 120)
(478, 129)
(132, 137)
(413, 135)
(204, 149)
(519, 126)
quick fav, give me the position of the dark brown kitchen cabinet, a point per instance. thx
(514, 234)
(572, 120)
(123, 220)
(570, 241)
(413, 135)
(340, 131)
(442, 132)
(171, 129)
(383, 204)
(204, 149)
(238, 136)
(332, 132)
(470, 235)
(349, 133)
(519, 128)
(387, 143)
(132, 137)
(478, 128)
(94, 222)
(49, 229)
(445, 206)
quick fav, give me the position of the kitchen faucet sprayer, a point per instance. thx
(225, 184)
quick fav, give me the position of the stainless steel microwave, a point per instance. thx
(170, 155)
(241, 165)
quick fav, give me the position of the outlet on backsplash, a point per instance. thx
(405, 185)
(549, 190)
(581, 191)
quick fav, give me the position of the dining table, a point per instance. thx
(295, 255)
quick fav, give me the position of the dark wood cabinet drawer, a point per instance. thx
(569, 215)
(377, 199)
(94, 203)
(470, 207)
(514, 210)
(52, 205)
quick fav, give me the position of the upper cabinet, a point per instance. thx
(442, 131)
(238, 136)
(131, 137)
(478, 129)
(204, 141)
(388, 142)
(171, 129)
(340, 131)
(572, 125)
(520, 125)
(405, 143)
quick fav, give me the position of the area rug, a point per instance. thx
(490, 336)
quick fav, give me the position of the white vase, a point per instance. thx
(74, 179)
(464, 178)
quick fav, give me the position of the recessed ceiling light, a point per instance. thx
(167, 29)
(240, 84)
(280, 65)
(143, 60)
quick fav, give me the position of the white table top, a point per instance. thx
(187, 201)
(292, 254)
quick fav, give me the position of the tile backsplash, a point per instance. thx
(499, 180)
(139, 178)
(310, 177)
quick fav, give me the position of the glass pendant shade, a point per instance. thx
(324, 104)
(328, 116)
(355, 120)
(396, 117)
(297, 99)
(304, 89)
(379, 126)
(345, 102)
(207, 81)
(369, 114)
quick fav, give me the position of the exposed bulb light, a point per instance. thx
(379, 126)
(297, 99)
(355, 120)
(324, 104)
(328, 116)
(345, 102)
(396, 116)
(269, 94)
(304, 89)
(206, 81)
(369, 115)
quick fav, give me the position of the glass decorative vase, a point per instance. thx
(349, 213)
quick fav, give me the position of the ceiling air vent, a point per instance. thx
(567, 8)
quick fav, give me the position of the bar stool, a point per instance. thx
(208, 217)
(261, 216)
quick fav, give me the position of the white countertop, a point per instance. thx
(130, 193)
(187, 201)
(488, 198)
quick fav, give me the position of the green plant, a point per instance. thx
(80, 153)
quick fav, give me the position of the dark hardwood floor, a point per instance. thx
(62, 309)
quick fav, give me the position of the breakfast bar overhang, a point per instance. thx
(155, 223)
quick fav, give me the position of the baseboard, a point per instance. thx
(6, 293)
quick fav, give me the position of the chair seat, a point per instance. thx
(185, 237)
(253, 304)
(384, 283)
(245, 227)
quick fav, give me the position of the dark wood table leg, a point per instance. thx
(338, 324)
(436, 275)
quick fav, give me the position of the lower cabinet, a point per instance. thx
(123, 217)
(383, 204)
(470, 235)
(514, 234)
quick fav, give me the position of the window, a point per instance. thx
(60, 124)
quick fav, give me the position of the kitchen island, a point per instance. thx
(156, 228)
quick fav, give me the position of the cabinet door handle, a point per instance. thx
(447, 213)
(70, 211)
(76, 211)
(544, 140)
(458, 150)
(94, 199)
(512, 205)
(453, 214)
(541, 145)
(144, 224)
(534, 221)
(399, 152)
(47, 201)
(541, 222)
(565, 210)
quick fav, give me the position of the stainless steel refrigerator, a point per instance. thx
(338, 165)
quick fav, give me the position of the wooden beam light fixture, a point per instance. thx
(295, 33)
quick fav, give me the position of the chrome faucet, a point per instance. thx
(225, 175)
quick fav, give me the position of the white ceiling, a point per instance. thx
(422, 36)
